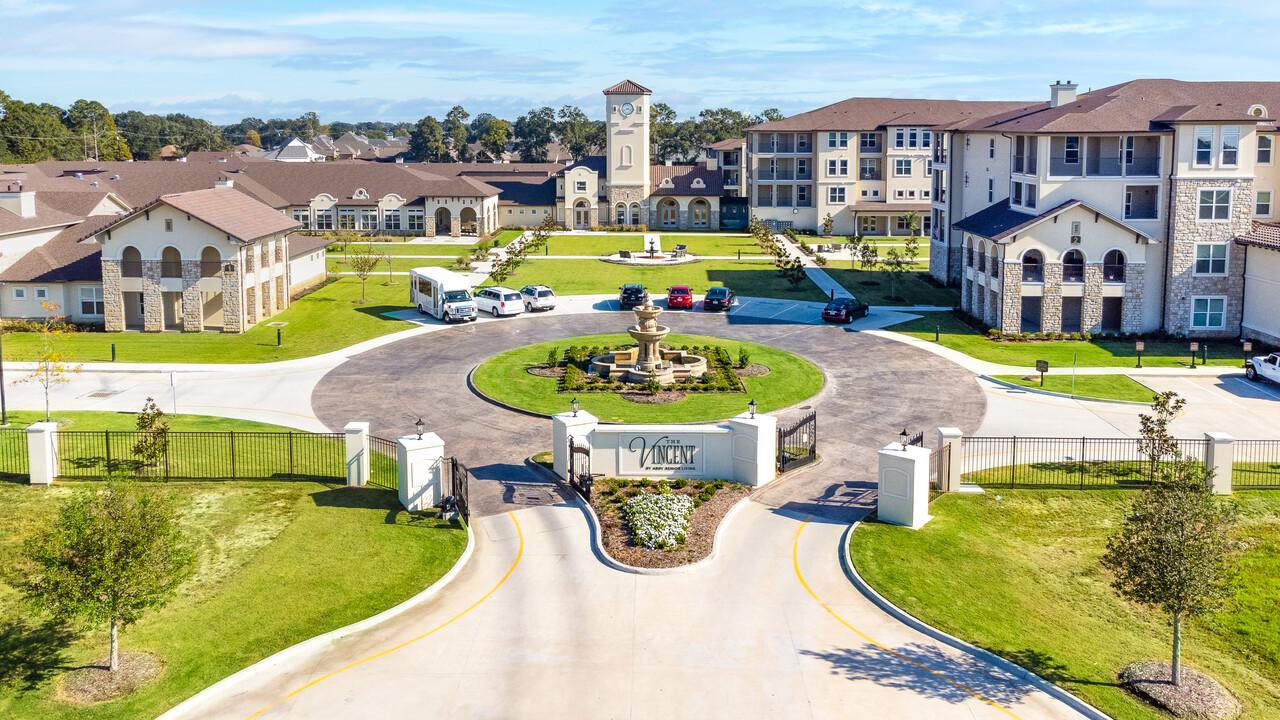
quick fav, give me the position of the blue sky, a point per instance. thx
(399, 61)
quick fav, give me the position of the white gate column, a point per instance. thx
(903, 497)
(1220, 458)
(950, 438)
(569, 425)
(357, 453)
(421, 465)
(755, 448)
(42, 452)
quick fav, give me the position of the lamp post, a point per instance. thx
(751, 408)
(1139, 346)
(903, 437)
(419, 426)
(1246, 347)
(573, 405)
(1195, 347)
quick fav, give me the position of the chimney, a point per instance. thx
(1062, 93)
(18, 201)
(224, 183)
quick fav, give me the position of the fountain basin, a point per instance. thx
(670, 367)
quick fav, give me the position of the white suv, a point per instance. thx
(498, 301)
(538, 297)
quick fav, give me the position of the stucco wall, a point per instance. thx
(1262, 294)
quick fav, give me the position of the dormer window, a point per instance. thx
(697, 182)
(360, 194)
(666, 183)
(1257, 111)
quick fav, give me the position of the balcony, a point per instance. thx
(870, 175)
(939, 154)
(131, 268)
(871, 149)
(1025, 164)
(804, 202)
(1066, 166)
(1142, 166)
(1102, 166)
(766, 175)
(1032, 273)
(171, 269)
(210, 268)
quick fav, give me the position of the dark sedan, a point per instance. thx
(845, 310)
(719, 298)
(632, 295)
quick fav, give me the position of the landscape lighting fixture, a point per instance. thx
(573, 405)
(905, 436)
(419, 426)
(751, 408)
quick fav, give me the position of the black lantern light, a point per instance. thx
(904, 436)
(573, 405)
(751, 408)
(419, 427)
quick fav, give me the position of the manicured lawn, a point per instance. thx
(414, 249)
(1109, 387)
(398, 265)
(791, 380)
(872, 287)
(1019, 576)
(274, 568)
(959, 336)
(325, 320)
(506, 236)
(587, 277)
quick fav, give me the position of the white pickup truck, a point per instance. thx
(1263, 368)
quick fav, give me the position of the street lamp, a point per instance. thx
(419, 427)
(573, 405)
(751, 408)
(904, 436)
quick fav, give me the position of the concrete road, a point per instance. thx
(536, 627)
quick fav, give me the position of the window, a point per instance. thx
(304, 217)
(1211, 259)
(802, 195)
(899, 194)
(1071, 150)
(19, 293)
(991, 190)
(579, 185)
(1015, 193)
(867, 142)
(900, 138)
(991, 149)
(1127, 151)
(835, 195)
(1264, 149)
(324, 219)
(1263, 205)
(866, 225)
(391, 219)
(1073, 266)
(902, 167)
(1113, 267)
(875, 193)
(902, 224)
(1215, 204)
(913, 138)
(417, 219)
(926, 138)
(1031, 196)
(1032, 266)
(1204, 146)
(368, 219)
(91, 300)
(802, 142)
(1230, 146)
(868, 169)
(865, 193)
(1207, 312)
(346, 219)
(168, 224)
(42, 293)
(838, 140)
(802, 169)
(926, 225)
(837, 167)
(928, 168)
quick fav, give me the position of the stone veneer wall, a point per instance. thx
(192, 298)
(152, 297)
(429, 226)
(1134, 277)
(232, 295)
(1184, 284)
(1011, 299)
(966, 292)
(250, 305)
(112, 297)
(455, 227)
(1091, 303)
(938, 261)
(1051, 303)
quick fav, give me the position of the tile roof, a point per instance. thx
(875, 113)
(64, 258)
(682, 178)
(628, 87)
(1263, 235)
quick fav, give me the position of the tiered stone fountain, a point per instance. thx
(648, 358)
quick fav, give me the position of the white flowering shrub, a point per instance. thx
(659, 520)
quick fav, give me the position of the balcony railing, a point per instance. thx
(1142, 166)
(939, 155)
(1032, 273)
(1072, 273)
(806, 175)
(1103, 166)
(875, 148)
(804, 202)
(1113, 273)
(210, 268)
(1025, 164)
(1062, 167)
(870, 175)
(130, 268)
(785, 175)
(171, 269)
(779, 147)
(765, 175)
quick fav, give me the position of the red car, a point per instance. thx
(679, 297)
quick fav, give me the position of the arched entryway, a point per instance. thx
(444, 221)
(468, 218)
(668, 213)
(699, 214)
(582, 215)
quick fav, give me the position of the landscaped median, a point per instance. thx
(1103, 387)
(667, 523)
(274, 566)
(1016, 572)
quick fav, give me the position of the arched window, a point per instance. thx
(210, 262)
(968, 251)
(1113, 267)
(995, 262)
(130, 262)
(626, 155)
(621, 214)
(1032, 266)
(1073, 266)
(699, 213)
(982, 257)
(170, 263)
(635, 213)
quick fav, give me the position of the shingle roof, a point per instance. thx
(682, 178)
(628, 87)
(1263, 235)
(63, 258)
(235, 214)
(730, 144)
(300, 245)
(999, 221)
(596, 163)
(874, 113)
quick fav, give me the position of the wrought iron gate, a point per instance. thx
(939, 466)
(798, 444)
(460, 486)
(580, 468)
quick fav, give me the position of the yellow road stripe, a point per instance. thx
(473, 606)
(795, 560)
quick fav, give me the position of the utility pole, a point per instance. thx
(95, 136)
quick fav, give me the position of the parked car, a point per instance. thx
(845, 310)
(538, 297)
(719, 298)
(679, 297)
(632, 295)
(499, 301)
(1263, 368)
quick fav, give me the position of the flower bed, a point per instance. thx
(656, 525)
(719, 377)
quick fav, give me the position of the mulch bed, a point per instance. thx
(1199, 696)
(644, 398)
(752, 370)
(95, 683)
(544, 371)
(616, 535)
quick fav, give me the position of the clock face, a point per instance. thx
(628, 108)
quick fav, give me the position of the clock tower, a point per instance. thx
(626, 107)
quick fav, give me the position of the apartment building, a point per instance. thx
(1117, 210)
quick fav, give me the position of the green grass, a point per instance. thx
(415, 249)
(588, 277)
(1107, 387)
(791, 380)
(398, 265)
(325, 320)
(506, 236)
(959, 336)
(872, 287)
(1019, 576)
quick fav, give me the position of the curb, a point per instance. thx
(192, 703)
(902, 616)
(597, 542)
(1039, 391)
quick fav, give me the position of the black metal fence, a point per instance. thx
(798, 444)
(14, 460)
(460, 487)
(939, 466)
(1256, 464)
(1064, 462)
(383, 469)
(223, 455)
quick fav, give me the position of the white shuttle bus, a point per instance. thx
(443, 294)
